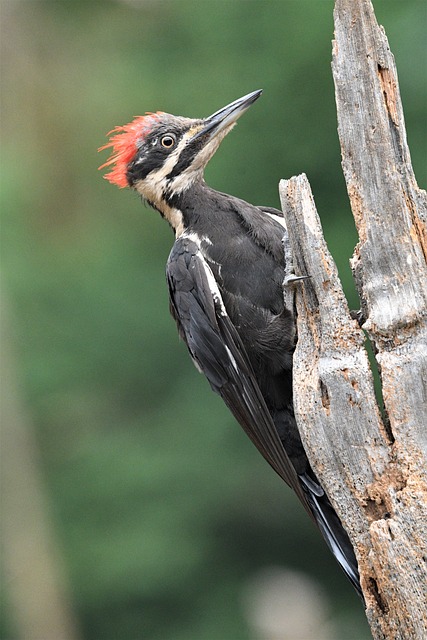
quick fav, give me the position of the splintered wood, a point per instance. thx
(372, 463)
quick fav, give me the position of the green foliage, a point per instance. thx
(163, 508)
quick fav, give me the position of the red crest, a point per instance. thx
(124, 143)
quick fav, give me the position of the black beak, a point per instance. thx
(228, 115)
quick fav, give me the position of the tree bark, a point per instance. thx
(372, 462)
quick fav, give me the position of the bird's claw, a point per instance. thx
(359, 316)
(291, 279)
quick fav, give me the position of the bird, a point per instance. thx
(226, 273)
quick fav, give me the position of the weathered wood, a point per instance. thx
(334, 396)
(374, 469)
(390, 269)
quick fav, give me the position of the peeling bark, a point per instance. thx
(372, 461)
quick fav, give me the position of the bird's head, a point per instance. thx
(161, 155)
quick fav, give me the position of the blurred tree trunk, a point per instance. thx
(34, 580)
(372, 461)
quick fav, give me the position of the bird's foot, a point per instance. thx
(359, 316)
(292, 278)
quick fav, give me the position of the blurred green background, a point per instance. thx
(158, 518)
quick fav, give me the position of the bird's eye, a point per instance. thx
(168, 141)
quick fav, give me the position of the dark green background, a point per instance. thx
(163, 509)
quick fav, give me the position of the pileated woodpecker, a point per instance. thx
(226, 276)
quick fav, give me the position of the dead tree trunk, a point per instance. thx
(373, 463)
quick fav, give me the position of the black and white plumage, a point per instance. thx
(226, 276)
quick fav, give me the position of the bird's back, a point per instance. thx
(243, 249)
(243, 246)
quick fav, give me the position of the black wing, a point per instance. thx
(218, 352)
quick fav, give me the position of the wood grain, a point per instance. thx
(372, 461)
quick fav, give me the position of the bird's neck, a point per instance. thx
(171, 214)
(182, 209)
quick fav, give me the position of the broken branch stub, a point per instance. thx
(334, 396)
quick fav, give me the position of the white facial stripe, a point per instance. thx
(153, 185)
(195, 170)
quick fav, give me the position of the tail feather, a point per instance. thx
(332, 530)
